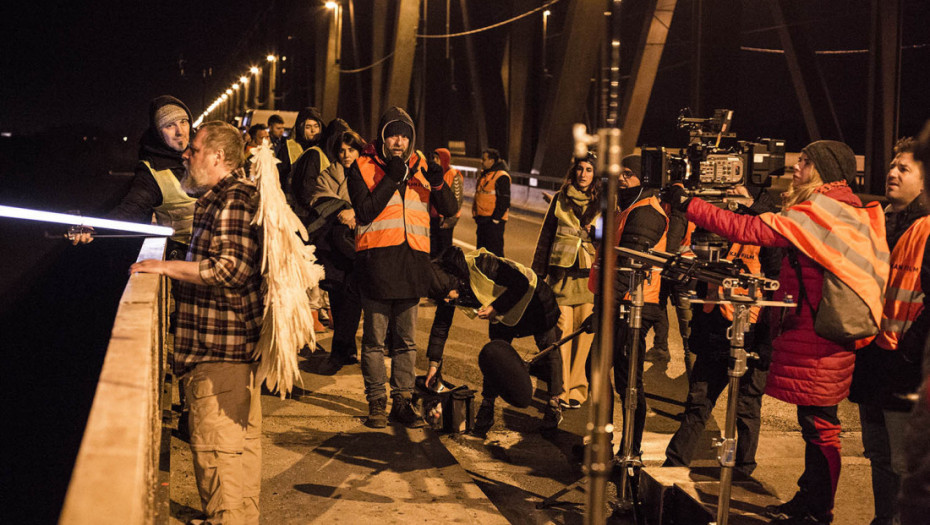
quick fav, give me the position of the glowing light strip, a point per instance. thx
(79, 220)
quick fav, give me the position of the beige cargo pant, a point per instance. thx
(225, 426)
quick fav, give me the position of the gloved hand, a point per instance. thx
(396, 170)
(676, 197)
(433, 174)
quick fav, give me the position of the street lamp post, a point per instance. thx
(545, 36)
(257, 89)
(272, 78)
(244, 80)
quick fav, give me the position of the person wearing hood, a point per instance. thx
(391, 189)
(156, 185)
(303, 162)
(641, 225)
(440, 226)
(492, 201)
(823, 227)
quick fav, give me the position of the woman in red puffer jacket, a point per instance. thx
(807, 370)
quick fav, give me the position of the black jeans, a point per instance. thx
(820, 429)
(490, 235)
(347, 313)
(708, 379)
(439, 238)
(549, 368)
(623, 339)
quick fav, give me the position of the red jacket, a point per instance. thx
(806, 368)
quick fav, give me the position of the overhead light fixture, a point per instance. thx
(253, 70)
(243, 79)
(271, 58)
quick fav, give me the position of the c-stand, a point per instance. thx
(743, 291)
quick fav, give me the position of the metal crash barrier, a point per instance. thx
(116, 474)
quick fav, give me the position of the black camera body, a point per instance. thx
(714, 161)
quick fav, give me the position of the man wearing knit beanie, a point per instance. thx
(835, 161)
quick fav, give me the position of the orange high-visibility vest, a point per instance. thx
(403, 219)
(846, 240)
(904, 298)
(750, 255)
(486, 194)
(449, 178)
(652, 285)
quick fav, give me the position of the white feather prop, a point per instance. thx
(289, 273)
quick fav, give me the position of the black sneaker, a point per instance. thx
(330, 366)
(657, 355)
(377, 413)
(552, 416)
(403, 412)
(484, 419)
(794, 508)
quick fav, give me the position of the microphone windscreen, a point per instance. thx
(506, 373)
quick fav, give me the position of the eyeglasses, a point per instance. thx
(627, 174)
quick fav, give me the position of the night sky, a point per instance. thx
(99, 63)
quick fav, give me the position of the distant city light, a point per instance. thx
(228, 91)
(236, 85)
(547, 13)
(243, 79)
(331, 5)
(253, 70)
(6, 134)
(271, 58)
(125, 139)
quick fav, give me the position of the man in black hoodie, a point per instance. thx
(391, 190)
(302, 160)
(156, 186)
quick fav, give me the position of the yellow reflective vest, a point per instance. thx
(487, 291)
(177, 207)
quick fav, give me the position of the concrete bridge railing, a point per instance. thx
(115, 477)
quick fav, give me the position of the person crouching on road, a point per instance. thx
(515, 301)
(219, 304)
(820, 221)
(391, 190)
(564, 256)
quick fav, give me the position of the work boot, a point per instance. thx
(403, 412)
(657, 355)
(552, 415)
(484, 419)
(377, 413)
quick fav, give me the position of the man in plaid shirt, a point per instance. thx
(219, 307)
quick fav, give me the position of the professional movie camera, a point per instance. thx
(713, 163)
(714, 160)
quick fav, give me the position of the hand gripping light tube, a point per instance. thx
(79, 220)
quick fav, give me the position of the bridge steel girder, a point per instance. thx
(378, 36)
(474, 77)
(330, 97)
(518, 76)
(809, 83)
(884, 91)
(657, 21)
(583, 34)
(406, 22)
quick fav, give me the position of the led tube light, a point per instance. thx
(79, 220)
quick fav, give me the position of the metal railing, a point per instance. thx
(115, 477)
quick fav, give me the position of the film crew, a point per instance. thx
(517, 303)
(335, 247)
(305, 160)
(711, 346)
(156, 184)
(641, 225)
(440, 227)
(391, 190)
(563, 258)
(492, 202)
(882, 377)
(914, 347)
(807, 369)
(219, 302)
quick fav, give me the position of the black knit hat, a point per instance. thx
(398, 128)
(835, 161)
(633, 163)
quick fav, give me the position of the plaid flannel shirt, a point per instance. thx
(222, 320)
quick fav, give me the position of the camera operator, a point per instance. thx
(711, 346)
(641, 225)
(820, 223)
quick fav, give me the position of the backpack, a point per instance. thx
(842, 316)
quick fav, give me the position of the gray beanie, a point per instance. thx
(168, 114)
(835, 161)
(634, 163)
